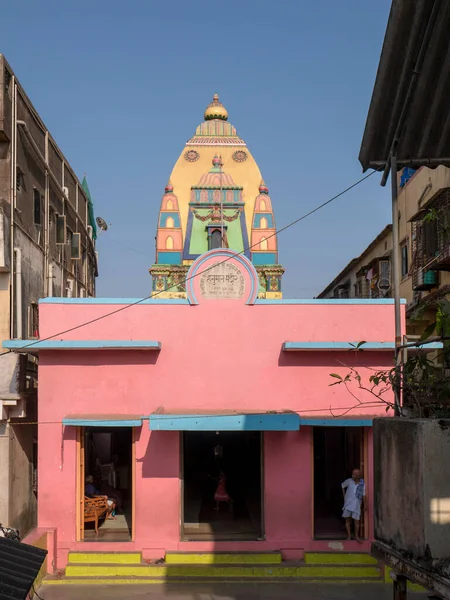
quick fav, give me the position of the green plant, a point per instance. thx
(424, 383)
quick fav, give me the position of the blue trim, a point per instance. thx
(244, 232)
(331, 422)
(296, 346)
(187, 239)
(257, 220)
(94, 422)
(122, 301)
(264, 258)
(165, 215)
(302, 301)
(35, 345)
(169, 258)
(252, 422)
(318, 301)
(431, 347)
(227, 255)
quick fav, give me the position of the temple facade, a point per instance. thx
(209, 415)
(215, 198)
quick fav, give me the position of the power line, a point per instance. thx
(372, 404)
(129, 305)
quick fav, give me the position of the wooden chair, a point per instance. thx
(94, 509)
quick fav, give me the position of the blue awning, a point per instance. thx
(33, 346)
(230, 421)
(103, 420)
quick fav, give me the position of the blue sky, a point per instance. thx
(122, 86)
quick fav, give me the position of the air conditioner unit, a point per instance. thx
(66, 191)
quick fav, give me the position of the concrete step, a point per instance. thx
(223, 558)
(339, 558)
(227, 572)
(105, 558)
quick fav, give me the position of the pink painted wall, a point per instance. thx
(238, 344)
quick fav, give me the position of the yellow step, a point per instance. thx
(146, 581)
(223, 572)
(105, 558)
(223, 558)
(339, 558)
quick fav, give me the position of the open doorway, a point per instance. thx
(238, 455)
(106, 454)
(337, 451)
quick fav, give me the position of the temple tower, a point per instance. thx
(215, 198)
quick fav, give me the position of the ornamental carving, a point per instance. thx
(191, 155)
(240, 156)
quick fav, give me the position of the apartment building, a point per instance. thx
(47, 248)
(424, 251)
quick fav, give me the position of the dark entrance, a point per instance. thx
(337, 451)
(108, 458)
(239, 456)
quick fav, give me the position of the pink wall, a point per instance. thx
(200, 345)
(197, 343)
(288, 507)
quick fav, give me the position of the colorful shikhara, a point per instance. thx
(215, 198)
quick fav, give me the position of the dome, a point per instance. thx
(216, 110)
(169, 187)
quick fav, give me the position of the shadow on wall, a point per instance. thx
(106, 357)
(412, 489)
(334, 359)
(158, 460)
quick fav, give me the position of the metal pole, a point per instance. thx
(396, 277)
(400, 588)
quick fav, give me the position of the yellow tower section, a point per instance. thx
(215, 185)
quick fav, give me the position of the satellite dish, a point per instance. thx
(103, 225)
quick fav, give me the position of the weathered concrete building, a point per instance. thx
(423, 251)
(47, 248)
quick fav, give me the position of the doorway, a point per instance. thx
(239, 456)
(337, 451)
(107, 454)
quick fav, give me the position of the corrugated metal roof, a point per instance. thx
(19, 567)
(426, 132)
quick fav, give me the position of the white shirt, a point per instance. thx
(351, 502)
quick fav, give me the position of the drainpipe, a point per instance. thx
(12, 199)
(18, 290)
(50, 280)
(69, 288)
(47, 219)
(396, 277)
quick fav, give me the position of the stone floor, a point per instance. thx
(233, 591)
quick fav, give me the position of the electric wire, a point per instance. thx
(300, 412)
(153, 295)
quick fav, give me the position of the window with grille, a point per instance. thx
(37, 208)
(404, 258)
(33, 320)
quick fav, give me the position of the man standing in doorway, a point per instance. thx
(354, 492)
